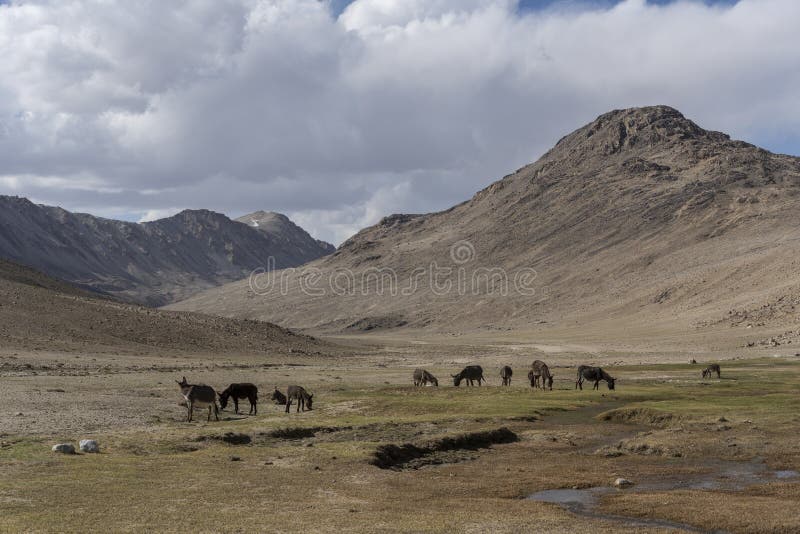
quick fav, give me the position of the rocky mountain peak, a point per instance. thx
(635, 129)
(263, 219)
(280, 227)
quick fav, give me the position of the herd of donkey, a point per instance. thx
(203, 396)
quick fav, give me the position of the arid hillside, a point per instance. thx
(40, 313)
(640, 216)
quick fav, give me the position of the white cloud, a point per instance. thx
(397, 105)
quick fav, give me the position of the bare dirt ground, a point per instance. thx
(708, 455)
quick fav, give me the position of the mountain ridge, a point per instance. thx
(639, 213)
(149, 263)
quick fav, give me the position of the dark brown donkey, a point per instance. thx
(538, 370)
(278, 397)
(304, 400)
(713, 368)
(198, 395)
(593, 374)
(505, 375)
(423, 378)
(240, 391)
(469, 373)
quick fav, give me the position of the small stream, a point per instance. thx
(724, 475)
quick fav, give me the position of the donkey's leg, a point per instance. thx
(236, 405)
(288, 403)
(189, 406)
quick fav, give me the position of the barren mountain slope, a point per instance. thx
(640, 214)
(40, 313)
(150, 263)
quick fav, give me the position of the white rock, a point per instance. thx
(623, 483)
(64, 448)
(89, 445)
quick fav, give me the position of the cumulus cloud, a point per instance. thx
(338, 118)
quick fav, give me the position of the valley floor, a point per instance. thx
(708, 455)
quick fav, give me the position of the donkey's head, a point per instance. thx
(223, 399)
(550, 383)
(309, 401)
(183, 383)
(456, 379)
(611, 382)
(435, 381)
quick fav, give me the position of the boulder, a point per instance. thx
(623, 483)
(89, 445)
(64, 448)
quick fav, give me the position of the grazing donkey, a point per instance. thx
(539, 369)
(198, 395)
(304, 400)
(505, 374)
(240, 391)
(469, 373)
(423, 378)
(278, 397)
(713, 368)
(593, 374)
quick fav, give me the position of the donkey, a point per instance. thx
(469, 373)
(539, 369)
(423, 378)
(505, 374)
(240, 391)
(304, 400)
(593, 374)
(198, 395)
(278, 397)
(713, 368)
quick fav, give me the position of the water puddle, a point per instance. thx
(583, 502)
(730, 476)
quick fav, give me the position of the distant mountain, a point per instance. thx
(287, 233)
(38, 312)
(640, 216)
(151, 263)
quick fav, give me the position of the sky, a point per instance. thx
(339, 112)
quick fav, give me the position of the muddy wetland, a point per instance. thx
(377, 454)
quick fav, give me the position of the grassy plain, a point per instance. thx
(157, 472)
